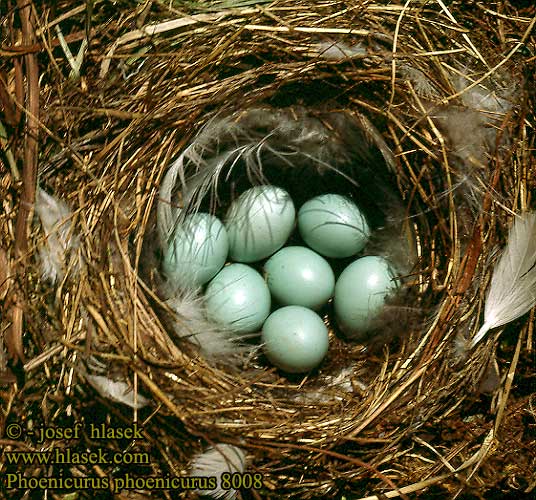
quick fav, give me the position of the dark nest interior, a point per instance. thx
(98, 99)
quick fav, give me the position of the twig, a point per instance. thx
(29, 174)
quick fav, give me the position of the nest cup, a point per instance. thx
(341, 116)
(307, 153)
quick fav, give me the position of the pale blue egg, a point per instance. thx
(197, 250)
(295, 339)
(333, 225)
(238, 297)
(360, 294)
(298, 276)
(259, 223)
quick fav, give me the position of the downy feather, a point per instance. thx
(512, 291)
(118, 391)
(331, 388)
(480, 109)
(195, 154)
(483, 108)
(214, 462)
(214, 341)
(60, 241)
(339, 51)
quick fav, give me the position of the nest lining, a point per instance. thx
(109, 313)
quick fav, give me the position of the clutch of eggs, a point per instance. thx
(299, 279)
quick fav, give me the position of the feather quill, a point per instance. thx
(512, 292)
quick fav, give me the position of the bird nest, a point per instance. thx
(426, 110)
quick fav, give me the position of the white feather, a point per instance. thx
(338, 51)
(512, 291)
(117, 390)
(422, 84)
(214, 341)
(60, 241)
(331, 388)
(214, 462)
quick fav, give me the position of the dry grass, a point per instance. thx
(99, 130)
